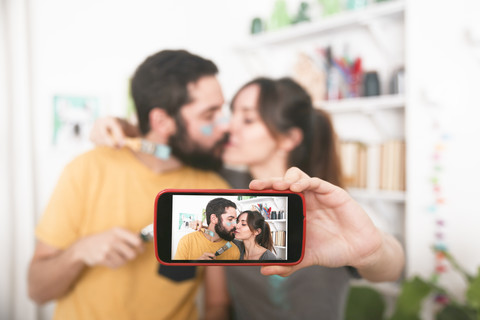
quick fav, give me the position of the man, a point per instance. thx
(89, 256)
(221, 217)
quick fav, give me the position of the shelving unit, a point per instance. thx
(370, 120)
(345, 20)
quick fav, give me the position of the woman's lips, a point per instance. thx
(229, 144)
(232, 142)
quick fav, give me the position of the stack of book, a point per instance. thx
(278, 238)
(374, 166)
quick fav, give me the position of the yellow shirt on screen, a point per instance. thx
(106, 188)
(194, 244)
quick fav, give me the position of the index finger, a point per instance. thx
(316, 185)
(294, 174)
(261, 184)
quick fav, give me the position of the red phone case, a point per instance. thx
(232, 191)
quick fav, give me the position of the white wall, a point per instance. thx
(442, 116)
(17, 197)
(92, 48)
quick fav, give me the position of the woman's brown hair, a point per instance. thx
(283, 105)
(256, 221)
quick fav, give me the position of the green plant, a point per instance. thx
(415, 290)
(364, 303)
(367, 303)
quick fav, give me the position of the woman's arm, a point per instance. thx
(111, 132)
(339, 232)
(386, 264)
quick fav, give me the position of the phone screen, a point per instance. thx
(229, 227)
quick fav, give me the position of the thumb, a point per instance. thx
(278, 270)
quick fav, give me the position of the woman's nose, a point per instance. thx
(234, 124)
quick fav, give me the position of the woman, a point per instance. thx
(274, 126)
(256, 240)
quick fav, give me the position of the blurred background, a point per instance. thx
(399, 77)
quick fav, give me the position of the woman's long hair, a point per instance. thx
(283, 105)
(256, 221)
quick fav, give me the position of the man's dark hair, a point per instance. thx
(217, 207)
(161, 82)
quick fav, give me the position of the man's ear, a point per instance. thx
(213, 219)
(291, 140)
(161, 123)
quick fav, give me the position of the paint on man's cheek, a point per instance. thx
(207, 130)
(231, 223)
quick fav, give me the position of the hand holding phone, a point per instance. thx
(339, 232)
(200, 227)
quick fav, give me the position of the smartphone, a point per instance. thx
(213, 227)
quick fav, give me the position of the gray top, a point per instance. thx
(311, 293)
(267, 255)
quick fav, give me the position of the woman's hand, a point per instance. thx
(111, 132)
(195, 225)
(338, 231)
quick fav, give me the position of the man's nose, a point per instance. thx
(222, 124)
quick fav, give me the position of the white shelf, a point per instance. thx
(385, 195)
(341, 20)
(272, 199)
(379, 23)
(363, 104)
(256, 200)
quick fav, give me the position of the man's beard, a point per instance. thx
(223, 232)
(194, 155)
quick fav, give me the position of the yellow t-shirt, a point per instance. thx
(194, 244)
(101, 189)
